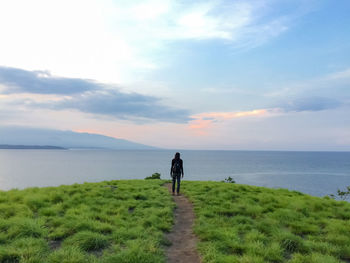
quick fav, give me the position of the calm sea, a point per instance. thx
(315, 173)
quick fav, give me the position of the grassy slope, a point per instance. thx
(91, 222)
(240, 223)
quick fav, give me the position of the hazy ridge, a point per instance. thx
(25, 137)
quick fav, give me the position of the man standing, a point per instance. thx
(176, 171)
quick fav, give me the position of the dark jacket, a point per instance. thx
(181, 166)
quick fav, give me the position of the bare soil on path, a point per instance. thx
(183, 241)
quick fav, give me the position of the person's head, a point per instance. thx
(177, 155)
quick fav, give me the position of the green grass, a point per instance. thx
(115, 221)
(240, 223)
(125, 221)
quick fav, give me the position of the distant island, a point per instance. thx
(29, 138)
(31, 147)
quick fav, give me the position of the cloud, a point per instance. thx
(111, 40)
(39, 89)
(250, 23)
(17, 80)
(340, 75)
(231, 115)
(113, 103)
(200, 126)
(333, 85)
(204, 121)
(201, 122)
(311, 104)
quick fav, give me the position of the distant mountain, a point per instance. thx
(31, 147)
(24, 136)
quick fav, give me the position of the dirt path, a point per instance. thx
(182, 238)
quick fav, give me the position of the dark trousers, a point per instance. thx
(176, 177)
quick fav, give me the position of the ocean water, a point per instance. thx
(315, 173)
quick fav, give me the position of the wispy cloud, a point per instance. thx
(201, 122)
(340, 75)
(110, 40)
(249, 22)
(230, 115)
(311, 104)
(16, 80)
(329, 84)
(41, 90)
(112, 103)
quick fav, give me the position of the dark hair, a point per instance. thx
(177, 155)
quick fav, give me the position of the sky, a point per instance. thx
(230, 75)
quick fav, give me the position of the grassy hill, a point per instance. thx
(125, 221)
(240, 223)
(118, 221)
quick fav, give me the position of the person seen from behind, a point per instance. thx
(176, 171)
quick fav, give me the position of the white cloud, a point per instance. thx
(340, 75)
(333, 85)
(174, 20)
(114, 41)
(69, 38)
(147, 10)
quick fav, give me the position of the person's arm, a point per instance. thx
(171, 168)
(182, 168)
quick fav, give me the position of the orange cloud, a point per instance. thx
(200, 125)
(230, 115)
(205, 120)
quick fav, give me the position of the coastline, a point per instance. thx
(30, 147)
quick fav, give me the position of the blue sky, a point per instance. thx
(251, 75)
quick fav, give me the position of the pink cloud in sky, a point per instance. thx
(200, 126)
(204, 121)
(230, 115)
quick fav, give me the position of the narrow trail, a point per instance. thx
(182, 238)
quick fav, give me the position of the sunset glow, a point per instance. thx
(231, 115)
(195, 75)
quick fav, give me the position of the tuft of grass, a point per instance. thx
(9, 210)
(9, 254)
(24, 250)
(135, 252)
(25, 227)
(87, 241)
(291, 243)
(68, 255)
